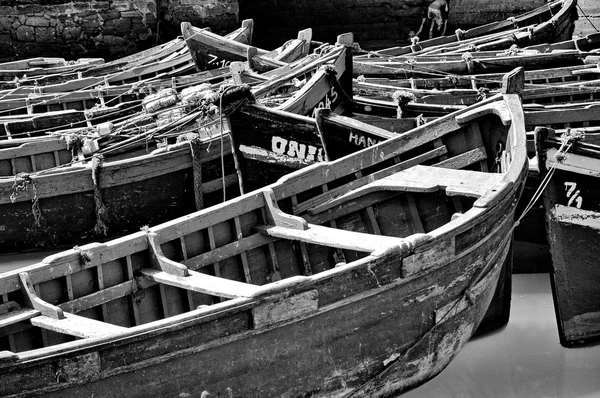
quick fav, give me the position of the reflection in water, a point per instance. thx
(524, 359)
(9, 262)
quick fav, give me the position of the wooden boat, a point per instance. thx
(47, 201)
(468, 64)
(171, 59)
(572, 75)
(351, 305)
(137, 188)
(43, 113)
(210, 51)
(568, 161)
(549, 23)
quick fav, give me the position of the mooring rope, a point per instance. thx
(568, 139)
(101, 211)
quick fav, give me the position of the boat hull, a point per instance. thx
(431, 310)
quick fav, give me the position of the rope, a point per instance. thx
(482, 93)
(21, 182)
(568, 139)
(101, 211)
(586, 17)
(468, 58)
(402, 98)
(420, 120)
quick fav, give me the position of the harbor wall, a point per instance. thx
(101, 28)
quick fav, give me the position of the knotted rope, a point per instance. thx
(402, 98)
(482, 93)
(468, 58)
(420, 120)
(101, 211)
(568, 138)
(21, 183)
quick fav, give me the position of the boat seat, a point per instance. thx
(325, 236)
(12, 312)
(202, 283)
(422, 179)
(78, 326)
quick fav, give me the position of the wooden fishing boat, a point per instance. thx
(42, 113)
(468, 63)
(297, 274)
(571, 75)
(49, 201)
(211, 51)
(568, 161)
(171, 59)
(60, 204)
(549, 23)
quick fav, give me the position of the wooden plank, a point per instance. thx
(225, 251)
(324, 236)
(414, 212)
(331, 194)
(296, 306)
(99, 298)
(202, 283)
(423, 179)
(100, 276)
(464, 159)
(184, 255)
(243, 256)
(33, 301)
(159, 261)
(17, 315)
(75, 325)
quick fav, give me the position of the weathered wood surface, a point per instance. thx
(300, 294)
(571, 218)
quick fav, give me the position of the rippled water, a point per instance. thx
(523, 359)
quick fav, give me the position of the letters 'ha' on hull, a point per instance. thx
(572, 213)
(360, 277)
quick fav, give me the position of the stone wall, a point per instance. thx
(102, 28)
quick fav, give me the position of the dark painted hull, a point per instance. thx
(573, 234)
(138, 193)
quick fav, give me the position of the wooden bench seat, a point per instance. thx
(422, 179)
(331, 237)
(12, 312)
(202, 283)
(75, 325)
